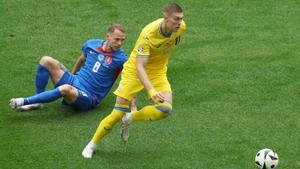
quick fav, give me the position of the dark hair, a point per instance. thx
(170, 8)
(115, 26)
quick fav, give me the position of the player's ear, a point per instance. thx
(165, 15)
(107, 36)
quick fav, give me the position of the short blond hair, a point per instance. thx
(112, 27)
(170, 8)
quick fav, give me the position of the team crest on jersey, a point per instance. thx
(140, 49)
(108, 60)
(100, 57)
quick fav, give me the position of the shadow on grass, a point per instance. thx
(124, 158)
(54, 113)
(126, 155)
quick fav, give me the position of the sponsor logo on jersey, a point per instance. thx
(92, 52)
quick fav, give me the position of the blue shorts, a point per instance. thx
(85, 99)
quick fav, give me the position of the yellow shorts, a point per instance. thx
(130, 85)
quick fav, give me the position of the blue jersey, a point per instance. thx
(101, 68)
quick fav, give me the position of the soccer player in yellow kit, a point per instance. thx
(146, 68)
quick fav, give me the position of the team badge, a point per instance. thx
(100, 57)
(140, 49)
(108, 60)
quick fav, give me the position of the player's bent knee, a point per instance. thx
(47, 61)
(165, 107)
(66, 89)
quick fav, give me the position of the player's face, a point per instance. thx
(115, 39)
(173, 21)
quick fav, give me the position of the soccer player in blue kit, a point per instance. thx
(91, 78)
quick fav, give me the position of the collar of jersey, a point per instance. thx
(162, 32)
(100, 48)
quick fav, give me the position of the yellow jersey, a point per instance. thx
(155, 45)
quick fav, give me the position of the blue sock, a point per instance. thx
(41, 79)
(44, 97)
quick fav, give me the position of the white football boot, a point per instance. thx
(14, 103)
(124, 132)
(89, 149)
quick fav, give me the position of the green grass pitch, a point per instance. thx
(235, 80)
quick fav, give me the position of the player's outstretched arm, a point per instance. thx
(79, 63)
(141, 63)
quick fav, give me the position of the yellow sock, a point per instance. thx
(109, 121)
(153, 112)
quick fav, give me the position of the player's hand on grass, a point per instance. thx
(156, 97)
